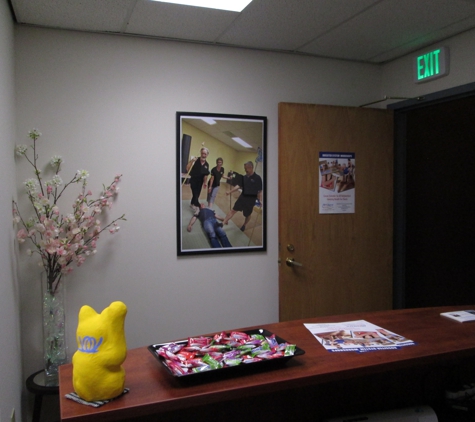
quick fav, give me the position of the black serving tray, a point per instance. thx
(243, 367)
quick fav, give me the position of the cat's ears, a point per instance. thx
(117, 309)
(86, 312)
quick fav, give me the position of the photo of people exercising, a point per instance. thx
(337, 175)
(228, 203)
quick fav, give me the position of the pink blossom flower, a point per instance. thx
(51, 249)
(62, 239)
(80, 260)
(114, 229)
(22, 235)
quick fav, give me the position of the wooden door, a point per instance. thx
(346, 258)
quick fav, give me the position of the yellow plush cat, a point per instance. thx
(97, 370)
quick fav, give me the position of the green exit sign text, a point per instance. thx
(431, 65)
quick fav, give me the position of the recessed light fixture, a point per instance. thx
(241, 142)
(209, 120)
(232, 5)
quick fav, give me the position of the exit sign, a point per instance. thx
(431, 65)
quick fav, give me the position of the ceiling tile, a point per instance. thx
(177, 21)
(288, 24)
(374, 31)
(428, 39)
(248, 130)
(387, 26)
(84, 15)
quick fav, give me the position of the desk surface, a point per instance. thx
(153, 390)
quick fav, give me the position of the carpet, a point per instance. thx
(198, 239)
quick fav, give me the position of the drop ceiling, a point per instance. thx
(225, 129)
(372, 31)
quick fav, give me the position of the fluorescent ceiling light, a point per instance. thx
(241, 142)
(209, 120)
(232, 5)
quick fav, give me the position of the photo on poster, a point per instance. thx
(337, 181)
(221, 183)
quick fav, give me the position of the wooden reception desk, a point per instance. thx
(318, 384)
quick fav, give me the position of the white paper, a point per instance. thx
(460, 316)
(356, 336)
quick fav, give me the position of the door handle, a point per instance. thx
(292, 263)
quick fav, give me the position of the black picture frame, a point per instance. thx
(243, 178)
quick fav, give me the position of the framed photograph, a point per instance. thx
(221, 183)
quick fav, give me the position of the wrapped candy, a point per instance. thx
(213, 363)
(289, 350)
(176, 368)
(200, 354)
(236, 335)
(199, 341)
(273, 343)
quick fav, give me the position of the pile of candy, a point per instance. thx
(201, 354)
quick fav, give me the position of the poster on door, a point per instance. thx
(337, 179)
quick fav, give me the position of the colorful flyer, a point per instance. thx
(337, 179)
(356, 336)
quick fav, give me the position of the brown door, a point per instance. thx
(346, 258)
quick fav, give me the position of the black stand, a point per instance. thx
(36, 384)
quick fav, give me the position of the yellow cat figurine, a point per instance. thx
(97, 370)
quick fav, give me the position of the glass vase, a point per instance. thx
(54, 338)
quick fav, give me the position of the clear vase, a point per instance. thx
(54, 338)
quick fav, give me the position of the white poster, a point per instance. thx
(337, 177)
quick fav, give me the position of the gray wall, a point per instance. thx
(397, 78)
(107, 104)
(10, 356)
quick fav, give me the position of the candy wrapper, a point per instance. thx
(223, 351)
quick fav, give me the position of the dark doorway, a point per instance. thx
(435, 221)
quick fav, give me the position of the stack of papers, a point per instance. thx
(460, 316)
(356, 336)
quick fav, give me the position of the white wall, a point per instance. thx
(107, 104)
(398, 77)
(10, 356)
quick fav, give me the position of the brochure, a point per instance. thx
(460, 316)
(356, 336)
